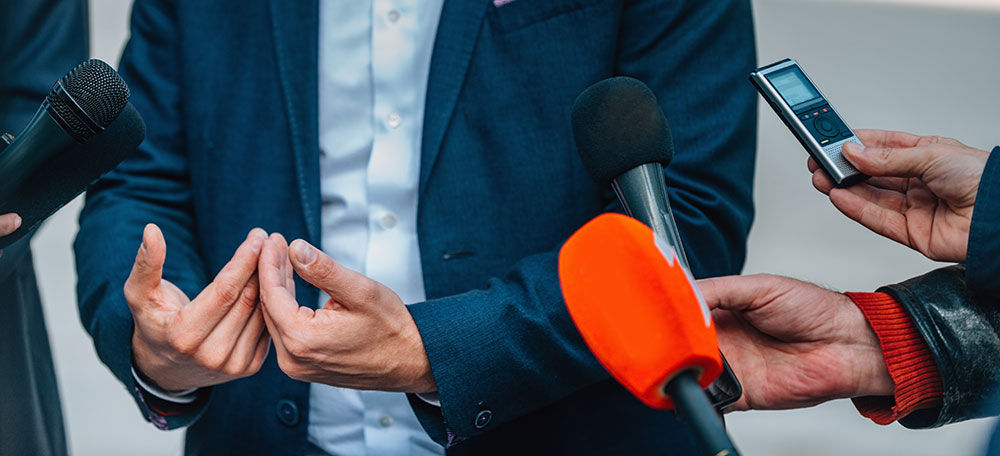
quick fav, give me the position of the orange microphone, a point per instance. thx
(641, 314)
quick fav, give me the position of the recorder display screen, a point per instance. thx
(793, 86)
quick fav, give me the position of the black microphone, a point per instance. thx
(624, 140)
(83, 129)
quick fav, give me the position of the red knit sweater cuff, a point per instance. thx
(909, 360)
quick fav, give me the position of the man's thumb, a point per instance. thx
(148, 268)
(890, 161)
(348, 288)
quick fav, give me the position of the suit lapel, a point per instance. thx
(295, 26)
(456, 38)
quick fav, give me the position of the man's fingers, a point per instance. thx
(891, 161)
(9, 223)
(822, 182)
(884, 138)
(737, 293)
(147, 271)
(280, 308)
(887, 222)
(245, 346)
(214, 302)
(225, 336)
(346, 287)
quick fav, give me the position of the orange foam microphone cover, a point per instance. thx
(637, 308)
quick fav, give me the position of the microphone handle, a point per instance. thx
(693, 407)
(41, 140)
(643, 193)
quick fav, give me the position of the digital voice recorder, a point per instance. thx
(810, 117)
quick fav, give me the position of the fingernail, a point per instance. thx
(304, 253)
(256, 245)
(17, 222)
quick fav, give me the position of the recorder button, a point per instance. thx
(826, 127)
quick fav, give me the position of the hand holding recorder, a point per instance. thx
(921, 194)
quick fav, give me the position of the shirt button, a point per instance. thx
(388, 220)
(394, 120)
(385, 421)
(393, 16)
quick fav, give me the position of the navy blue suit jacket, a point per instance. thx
(228, 91)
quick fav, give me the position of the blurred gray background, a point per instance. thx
(924, 66)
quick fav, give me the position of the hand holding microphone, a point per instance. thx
(794, 344)
(84, 127)
(637, 308)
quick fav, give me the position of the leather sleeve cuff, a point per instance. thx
(984, 247)
(907, 357)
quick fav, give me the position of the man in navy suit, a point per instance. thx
(424, 148)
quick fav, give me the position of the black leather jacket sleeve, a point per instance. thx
(963, 334)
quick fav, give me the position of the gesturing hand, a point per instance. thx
(793, 344)
(217, 337)
(921, 194)
(363, 338)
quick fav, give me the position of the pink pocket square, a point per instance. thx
(499, 3)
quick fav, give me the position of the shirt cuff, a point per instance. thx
(176, 397)
(907, 357)
(431, 398)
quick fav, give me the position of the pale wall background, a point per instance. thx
(925, 66)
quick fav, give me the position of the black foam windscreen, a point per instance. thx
(618, 125)
(66, 175)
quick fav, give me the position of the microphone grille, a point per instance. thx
(99, 91)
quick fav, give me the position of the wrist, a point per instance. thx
(908, 360)
(872, 374)
(149, 368)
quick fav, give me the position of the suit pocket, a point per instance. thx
(522, 13)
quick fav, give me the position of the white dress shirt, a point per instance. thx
(373, 68)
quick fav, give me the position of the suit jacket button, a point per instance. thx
(483, 418)
(288, 412)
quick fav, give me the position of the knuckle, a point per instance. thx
(368, 291)
(213, 360)
(182, 344)
(227, 293)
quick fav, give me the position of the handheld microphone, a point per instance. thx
(640, 313)
(83, 129)
(624, 140)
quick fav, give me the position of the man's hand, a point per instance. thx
(793, 344)
(921, 194)
(363, 338)
(9, 223)
(217, 337)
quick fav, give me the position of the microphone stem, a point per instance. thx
(694, 409)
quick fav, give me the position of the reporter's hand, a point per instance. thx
(219, 336)
(921, 194)
(363, 338)
(793, 344)
(9, 223)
